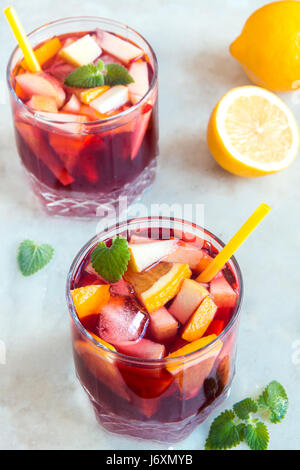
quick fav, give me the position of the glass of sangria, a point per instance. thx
(156, 350)
(89, 140)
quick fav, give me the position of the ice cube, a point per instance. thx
(122, 320)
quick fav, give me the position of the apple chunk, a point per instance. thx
(144, 348)
(112, 99)
(163, 325)
(143, 255)
(42, 103)
(140, 86)
(188, 300)
(42, 84)
(222, 292)
(81, 52)
(125, 51)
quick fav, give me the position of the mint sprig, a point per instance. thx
(86, 76)
(242, 424)
(91, 76)
(117, 74)
(32, 257)
(111, 263)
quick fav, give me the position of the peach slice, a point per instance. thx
(143, 255)
(90, 300)
(103, 367)
(155, 287)
(187, 300)
(42, 103)
(200, 320)
(191, 374)
(45, 52)
(163, 325)
(42, 84)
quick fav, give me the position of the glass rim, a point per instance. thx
(111, 119)
(136, 360)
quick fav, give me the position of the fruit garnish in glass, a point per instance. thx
(86, 123)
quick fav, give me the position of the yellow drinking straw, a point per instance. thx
(225, 254)
(22, 39)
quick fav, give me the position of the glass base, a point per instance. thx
(163, 433)
(77, 204)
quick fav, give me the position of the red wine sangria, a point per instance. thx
(86, 125)
(154, 348)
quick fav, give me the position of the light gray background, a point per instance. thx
(41, 404)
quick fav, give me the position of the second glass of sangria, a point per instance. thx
(86, 125)
(155, 351)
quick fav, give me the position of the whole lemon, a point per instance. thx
(269, 46)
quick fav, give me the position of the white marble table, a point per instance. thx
(41, 404)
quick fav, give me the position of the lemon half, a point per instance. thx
(252, 132)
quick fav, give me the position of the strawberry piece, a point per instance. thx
(222, 292)
(43, 152)
(42, 84)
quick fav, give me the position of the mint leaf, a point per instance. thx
(257, 436)
(274, 398)
(117, 74)
(243, 408)
(223, 433)
(241, 430)
(33, 257)
(111, 263)
(86, 76)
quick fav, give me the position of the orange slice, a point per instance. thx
(154, 288)
(200, 320)
(101, 341)
(45, 52)
(203, 263)
(191, 374)
(90, 299)
(87, 96)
